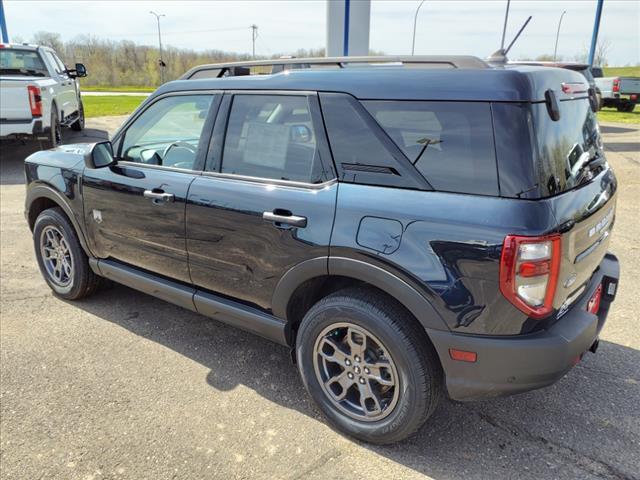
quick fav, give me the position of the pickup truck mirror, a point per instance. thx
(79, 71)
(100, 156)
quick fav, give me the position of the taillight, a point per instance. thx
(616, 84)
(35, 100)
(594, 302)
(529, 269)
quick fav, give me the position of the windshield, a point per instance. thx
(21, 63)
(569, 151)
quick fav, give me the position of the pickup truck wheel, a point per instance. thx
(630, 107)
(79, 124)
(62, 261)
(621, 107)
(368, 365)
(55, 132)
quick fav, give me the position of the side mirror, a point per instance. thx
(100, 156)
(80, 70)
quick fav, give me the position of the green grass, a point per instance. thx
(96, 106)
(622, 71)
(125, 88)
(612, 115)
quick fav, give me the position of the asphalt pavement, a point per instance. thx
(124, 386)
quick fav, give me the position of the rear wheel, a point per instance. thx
(55, 131)
(368, 365)
(630, 107)
(62, 261)
(79, 123)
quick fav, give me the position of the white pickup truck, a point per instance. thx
(38, 94)
(618, 92)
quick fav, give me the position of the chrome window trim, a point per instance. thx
(270, 181)
(127, 163)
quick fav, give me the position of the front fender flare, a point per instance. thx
(45, 191)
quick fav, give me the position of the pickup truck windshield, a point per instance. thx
(566, 149)
(19, 62)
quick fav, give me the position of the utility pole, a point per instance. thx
(596, 29)
(254, 35)
(415, 22)
(161, 63)
(555, 50)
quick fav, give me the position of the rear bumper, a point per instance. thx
(22, 128)
(508, 365)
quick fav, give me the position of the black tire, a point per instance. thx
(55, 131)
(630, 107)
(78, 125)
(416, 362)
(621, 107)
(82, 282)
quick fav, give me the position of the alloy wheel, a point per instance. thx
(356, 372)
(56, 256)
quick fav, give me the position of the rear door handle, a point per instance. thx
(284, 217)
(158, 196)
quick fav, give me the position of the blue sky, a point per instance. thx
(444, 27)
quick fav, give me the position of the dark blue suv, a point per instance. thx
(407, 226)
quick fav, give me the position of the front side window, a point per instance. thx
(271, 136)
(450, 143)
(168, 132)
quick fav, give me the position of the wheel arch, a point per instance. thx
(304, 284)
(43, 197)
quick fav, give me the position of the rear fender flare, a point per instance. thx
(409, 297)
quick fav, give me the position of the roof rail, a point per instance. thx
(265, 67)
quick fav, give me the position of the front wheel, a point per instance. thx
(62, 261)
(368, 365)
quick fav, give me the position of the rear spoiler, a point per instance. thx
(267, 67)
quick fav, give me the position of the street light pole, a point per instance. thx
(555, 50)
(415, 21)
(160, 61)
(254, 35)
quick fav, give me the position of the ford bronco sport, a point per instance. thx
(427, 226)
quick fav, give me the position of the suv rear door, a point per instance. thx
(267, 198)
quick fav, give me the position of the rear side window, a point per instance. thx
(450, 143)
(272, 136)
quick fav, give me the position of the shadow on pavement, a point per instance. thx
(623, 147)
(612, 129)
(13, 152)
(584, 426)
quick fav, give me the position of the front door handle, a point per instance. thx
(158, 196)
(284, 217)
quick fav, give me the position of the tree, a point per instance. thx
(600, 56)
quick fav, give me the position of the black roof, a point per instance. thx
(510, 83)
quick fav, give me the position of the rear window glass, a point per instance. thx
(450, 143)
(18, 62)
(563, 146)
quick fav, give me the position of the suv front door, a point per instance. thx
(134, 210)
(266, 201)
